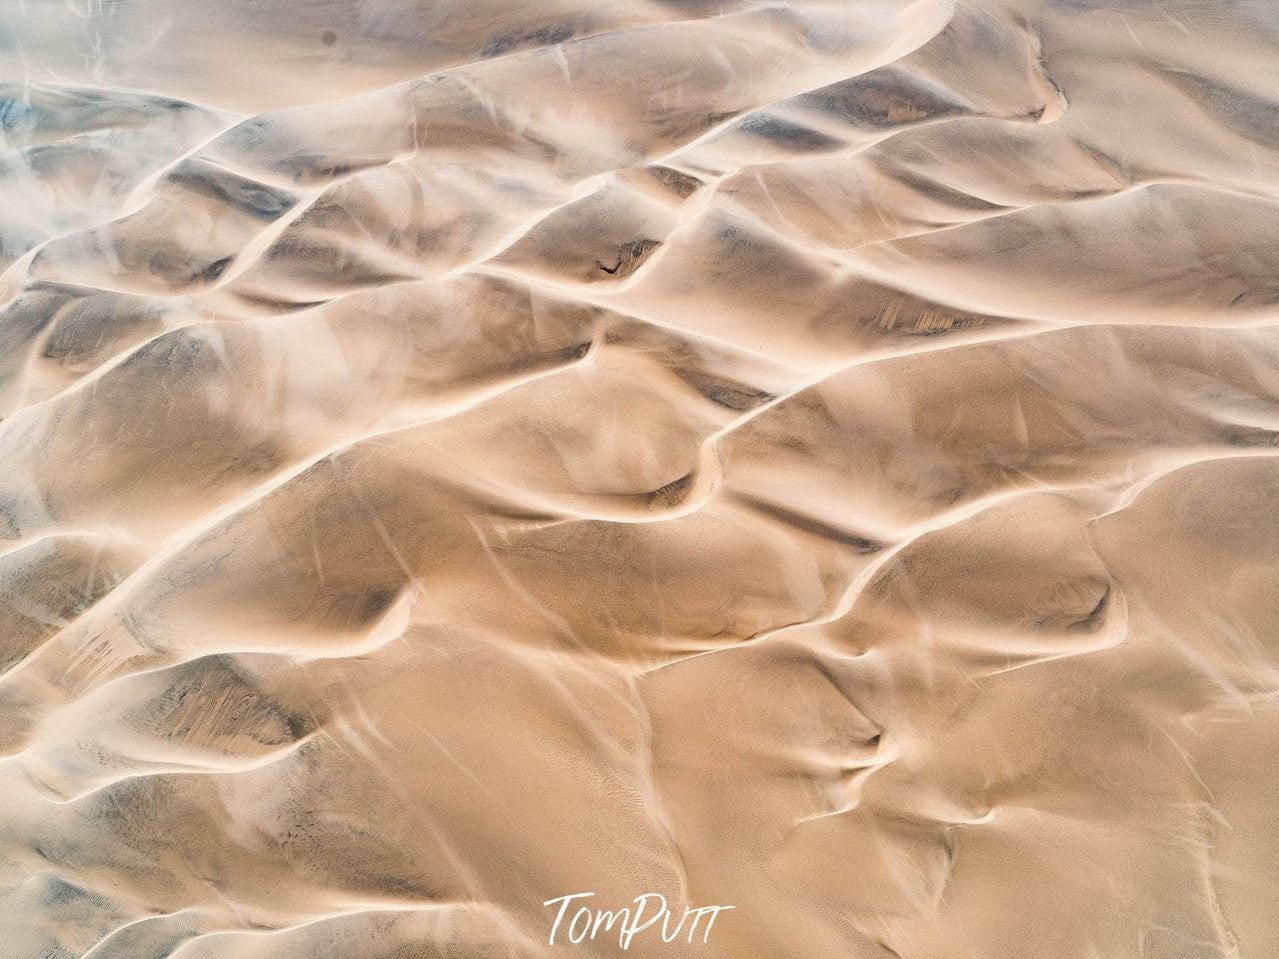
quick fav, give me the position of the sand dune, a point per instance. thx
(816, 458)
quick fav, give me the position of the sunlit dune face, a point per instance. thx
(781, 731)
(1057, 597)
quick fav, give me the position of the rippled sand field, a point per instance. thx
(814, 456)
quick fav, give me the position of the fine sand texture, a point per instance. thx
(813, 457)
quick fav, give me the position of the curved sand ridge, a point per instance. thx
(815, 457)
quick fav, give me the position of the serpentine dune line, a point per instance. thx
(818, 457)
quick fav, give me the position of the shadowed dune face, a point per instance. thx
(818, 458)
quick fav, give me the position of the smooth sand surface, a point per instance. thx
(817, 457)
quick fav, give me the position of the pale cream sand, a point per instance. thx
(819, 458)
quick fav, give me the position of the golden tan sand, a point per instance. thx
(803, 474)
